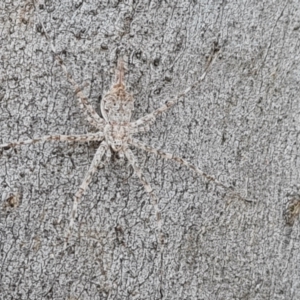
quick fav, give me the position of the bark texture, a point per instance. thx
(241, 124)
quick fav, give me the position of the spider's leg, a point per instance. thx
(57, 137)
(87, 109)
(149, 190)
(142, 124)
(136, 143)
(84, 185)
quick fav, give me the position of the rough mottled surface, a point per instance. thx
(241, 125)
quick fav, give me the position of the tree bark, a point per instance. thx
(240, 125)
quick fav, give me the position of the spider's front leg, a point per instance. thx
(84, 185)
(136, 143)
(149, 190)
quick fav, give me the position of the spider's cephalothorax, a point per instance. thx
(117, 136)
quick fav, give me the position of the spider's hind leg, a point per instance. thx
(91, 115)
(57, 137)
(142, 124)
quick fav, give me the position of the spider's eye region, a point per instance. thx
(116, 144)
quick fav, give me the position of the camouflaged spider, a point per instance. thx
(115, 132)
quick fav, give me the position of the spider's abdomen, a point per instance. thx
(119, 114)
(117, 106)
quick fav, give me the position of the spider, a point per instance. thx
(115, 131)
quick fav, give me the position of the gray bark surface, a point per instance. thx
(241, 124)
